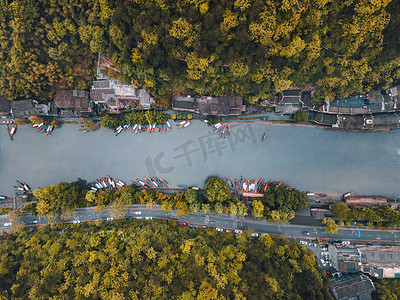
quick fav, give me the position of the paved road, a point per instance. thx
(227, 222)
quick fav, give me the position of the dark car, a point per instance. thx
(306, 233)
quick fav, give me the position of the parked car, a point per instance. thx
(185, 224)
(34, 222)
(254, 234)
(149, 218)
(205, 227)
(191, 226)
(238, 231)
(305, 233)
(95, 220)
(110, 219)
(219, 229)
(303, 243)
(76, 221)
(324, 253)
(313, 245)
(7, 224)
(137, 212)
(322, 261)
(346, 242)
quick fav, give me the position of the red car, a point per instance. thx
(185, 224)
(328, 272)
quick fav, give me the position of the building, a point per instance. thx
(373, 102)
(116, 95)
(378, 261)
(75, 100)
(352, 287)
(28, 107)
(5, 106)
(205, 105)
(291, 100)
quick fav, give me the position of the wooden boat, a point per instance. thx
(265, 135)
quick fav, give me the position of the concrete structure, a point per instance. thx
(378, 261)
(352, 287)
(28, 107)
(205, 105)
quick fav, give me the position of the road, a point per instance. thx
(226, 222)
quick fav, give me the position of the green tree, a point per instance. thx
(36, 119)
(217, 190)
(258, 209)
(330, 225)
(191, 196)
(340, 211)
(300, 116)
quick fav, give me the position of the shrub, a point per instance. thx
(300, 116)
(190, 116)
(173, 116)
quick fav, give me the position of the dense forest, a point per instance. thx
(129, 259)
(248, 48)
(388, 289)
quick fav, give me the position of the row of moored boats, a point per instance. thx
(107, 183)
(44, 127)
(136, 128)
(222, 129)
(255, 186)
(151, 182)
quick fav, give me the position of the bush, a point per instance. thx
(341, 223)
(347, 224)
(190, 116)
(300, 116)
(173, 116)
(20, 122)
(179, 116)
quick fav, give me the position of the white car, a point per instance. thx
(322, 261)
(313, 245)
(137, 212)
(324, 253)
(346, 242)
(7, 224)
(76, 221)
(110, 219)
(254, 234)
(303, 243)
(149, 218)
(238, 231)
(219, 229)
(34, 222)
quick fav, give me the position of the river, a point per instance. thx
(309, 159)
